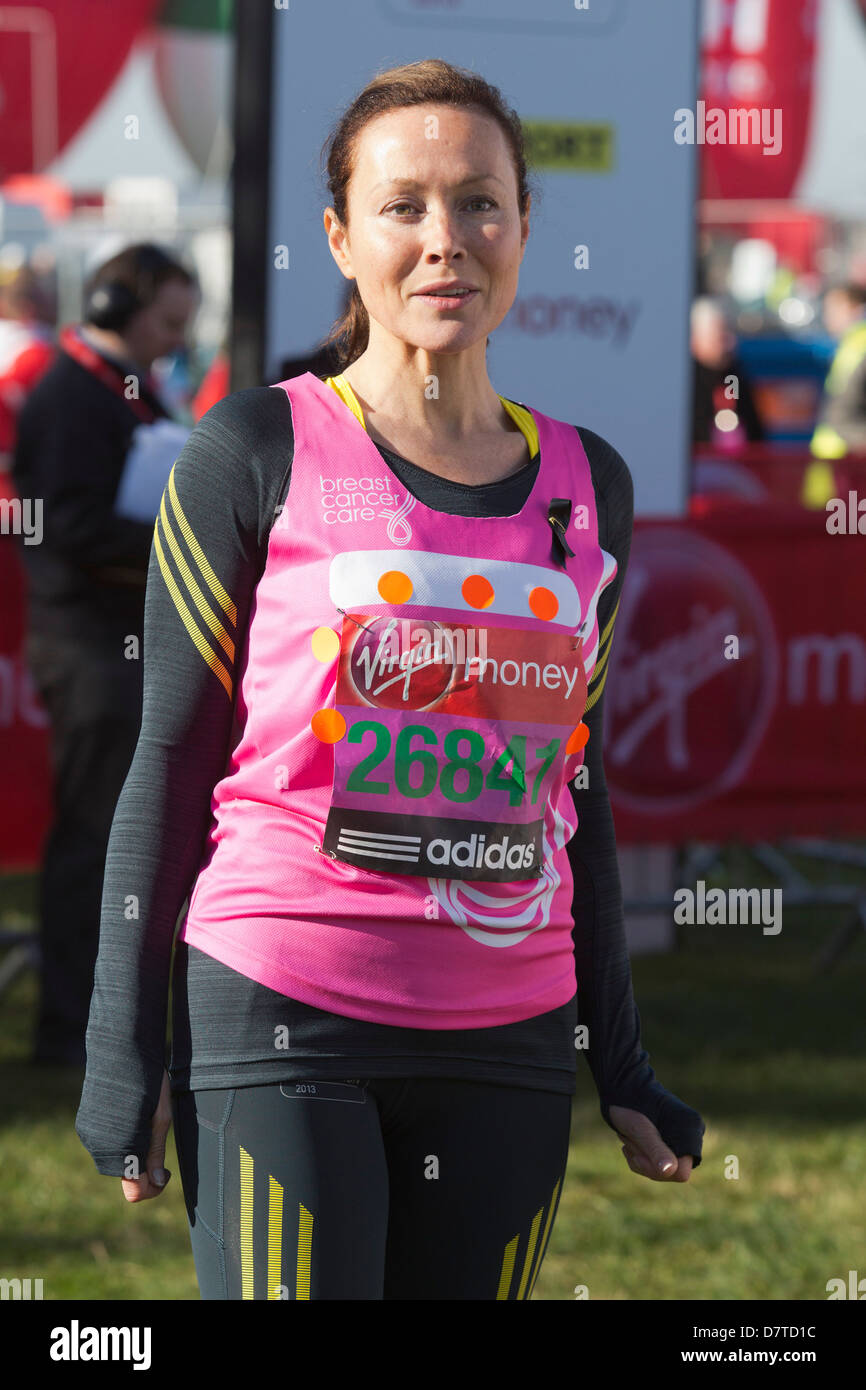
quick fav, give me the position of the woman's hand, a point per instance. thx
(139, 1189)
(645, 1149)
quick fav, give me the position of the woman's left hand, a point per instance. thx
(644, 1148)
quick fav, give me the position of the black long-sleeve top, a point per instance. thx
(232, 481)
(86, 577)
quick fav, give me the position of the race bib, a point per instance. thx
(448, 740)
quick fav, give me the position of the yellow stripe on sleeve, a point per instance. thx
(608, 626)
(216, 588)
(195, 592)
(189, 622)
(599, 675)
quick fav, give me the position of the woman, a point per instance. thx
(374, 997)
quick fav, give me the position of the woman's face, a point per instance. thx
(432, 198)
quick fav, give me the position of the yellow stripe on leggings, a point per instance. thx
(305, 1245)
(543, 1245)
(533, 1237)
(275, 1238)
(247, 1287)
(507, 1268)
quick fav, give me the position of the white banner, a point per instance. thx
(596, 337)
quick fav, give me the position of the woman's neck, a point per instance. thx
(493, 450)
(445, 406)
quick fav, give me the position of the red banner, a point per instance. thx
(763, 473)
(756, 54)
(25, 775)
(58, 59)
(735, 703)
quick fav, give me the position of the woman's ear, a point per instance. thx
(337, 242)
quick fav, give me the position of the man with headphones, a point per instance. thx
(86, 584)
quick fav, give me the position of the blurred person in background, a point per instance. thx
(86, 586)
(841, 424)
(28, 310)
(723, 411)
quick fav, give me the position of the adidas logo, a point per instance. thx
(472, 852)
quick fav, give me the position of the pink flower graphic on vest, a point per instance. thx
(398, 530)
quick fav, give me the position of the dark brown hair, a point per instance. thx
(142, 268)
(430, 81)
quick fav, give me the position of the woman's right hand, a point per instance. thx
(139, 1189)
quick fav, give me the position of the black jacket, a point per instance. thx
(86, 578)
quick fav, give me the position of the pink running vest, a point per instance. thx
(389, 839)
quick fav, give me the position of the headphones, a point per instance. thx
(112, 304)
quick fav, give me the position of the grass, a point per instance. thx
(738, 1024)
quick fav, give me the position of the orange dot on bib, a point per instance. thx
(395, 587)
(328, 725)
(577, 738)
(325, 644)
(544, 603)
(478, 591)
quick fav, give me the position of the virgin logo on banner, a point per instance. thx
(736, 695)
(757, 54)
(58, 58)
(685, 595)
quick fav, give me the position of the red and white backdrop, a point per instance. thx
(702, 746)
(806, 59)
(51, 81)
(758, 53)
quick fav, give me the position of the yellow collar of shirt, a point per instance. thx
(519, 414)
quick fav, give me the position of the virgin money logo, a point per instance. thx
(605, 320)
(683, 720)
(409, 664)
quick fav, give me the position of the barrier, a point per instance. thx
(763, 473)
